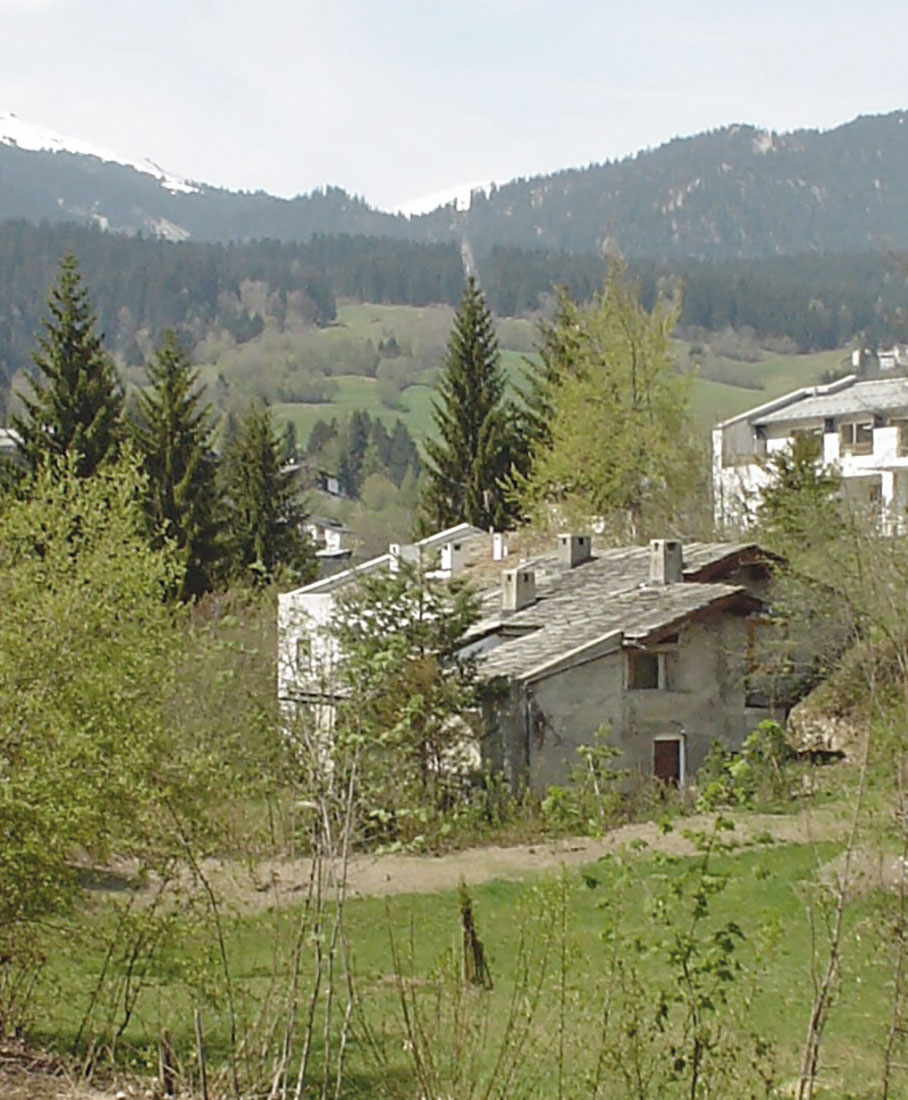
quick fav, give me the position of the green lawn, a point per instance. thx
(766, 894)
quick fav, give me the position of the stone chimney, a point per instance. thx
(666, 563)
(518, 588)
(574, 549)
(453, 557)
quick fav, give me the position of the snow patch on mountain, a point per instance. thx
(461, 195)
(24, 135)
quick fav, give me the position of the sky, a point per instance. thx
(395, 100)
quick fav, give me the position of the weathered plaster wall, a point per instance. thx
(705, 702)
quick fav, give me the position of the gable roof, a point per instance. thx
(877, 396)
(607, 597)
(570, 626)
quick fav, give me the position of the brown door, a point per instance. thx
(667, 761)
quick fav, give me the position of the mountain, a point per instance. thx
(48, 177)
(737, 192)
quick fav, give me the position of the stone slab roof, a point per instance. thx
(608, 572)
(567, 622)
(878, 396)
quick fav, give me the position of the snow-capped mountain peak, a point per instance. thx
(24, 135)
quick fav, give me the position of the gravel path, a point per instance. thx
(281, 882)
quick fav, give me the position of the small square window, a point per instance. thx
(857, 438)
(642, 671)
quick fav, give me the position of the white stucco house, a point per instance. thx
(862, 427)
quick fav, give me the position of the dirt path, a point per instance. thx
(281, 882)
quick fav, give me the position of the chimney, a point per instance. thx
(499, 546)
(453, 557)
(574, 549)
(518, 588)
(407, 552)
(665, 561)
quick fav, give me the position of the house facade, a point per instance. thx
(862, 431)
(662, 648)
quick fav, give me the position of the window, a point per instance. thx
(642, 671)
(655, 668)
(303, 652)
(857, 439)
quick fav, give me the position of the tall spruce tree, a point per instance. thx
(264, 513)
(173, 433)
(75, 407)
(470, 459)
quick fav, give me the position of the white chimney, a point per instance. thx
(574, 549)
(402, 551)
(518, 588)
(499, 546)
(453, 557)
(666, 563)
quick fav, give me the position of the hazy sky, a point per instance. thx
(394, 99)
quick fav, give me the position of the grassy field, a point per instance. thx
(766, 893)
(421, 334)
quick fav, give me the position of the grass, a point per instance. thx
(422, 332)
(766, 893)
(712, 400)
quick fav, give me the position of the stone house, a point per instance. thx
(664, 647)
(659, 647)
(862, 430)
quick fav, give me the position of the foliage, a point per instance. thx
(360, 447)
(799, 512)
(473, 451)
(173, 435)
(264, 515)
(759, 773)
(87, 653)
(75, 408)
(617, 448)
(590, 802)
(407, 697)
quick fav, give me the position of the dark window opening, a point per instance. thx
(643, 671)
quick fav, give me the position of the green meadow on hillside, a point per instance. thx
(385, 359)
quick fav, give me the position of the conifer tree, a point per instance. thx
(76, 404)
(470, 459)
(264, 514)
(173, 434)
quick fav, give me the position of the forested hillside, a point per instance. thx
(143, 286)
(732, 193)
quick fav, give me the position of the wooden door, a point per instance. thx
(667, 761)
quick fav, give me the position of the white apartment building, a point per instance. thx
(863, 429)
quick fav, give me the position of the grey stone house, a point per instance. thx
(661, 647)
(664, 647)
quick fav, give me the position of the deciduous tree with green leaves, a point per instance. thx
(76, 402)
(264, 515)
(87, 654)
(614, 440)
(173, 433)
(470, 458)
